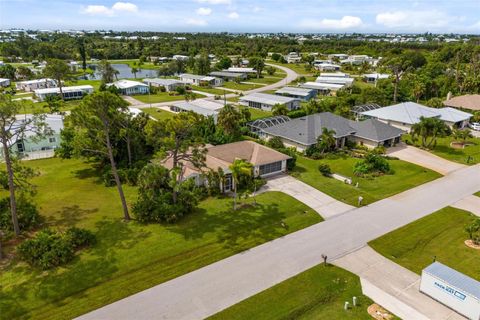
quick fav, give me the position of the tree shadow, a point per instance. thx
(258, 223)
(89, 173)
(70, 215)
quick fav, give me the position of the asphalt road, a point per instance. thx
(208, 290)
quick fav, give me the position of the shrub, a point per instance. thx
(49, 249)
(181, 90)
(28, 216)
(372, 164)
(473, 230)
(275, 143)
(324, 169)
(296, 113)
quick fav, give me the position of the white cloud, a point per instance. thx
(97, 10)
(215, 1)
(416, 20)
(125, 6)
(233, 15)
(197, 22)
(204, 11)
(347, 22)
(105, 11)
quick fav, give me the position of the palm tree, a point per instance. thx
(107, 71)
(326, 141)
(134, 71)
(462, 135)
(429, 129)
(238, 168)
(418, 90)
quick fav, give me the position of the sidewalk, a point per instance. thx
(393, 287)
(470, 203)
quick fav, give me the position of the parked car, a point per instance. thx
(475, 126)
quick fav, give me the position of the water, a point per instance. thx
(125, 71)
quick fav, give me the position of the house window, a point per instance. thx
(270, 168)
(52, 140)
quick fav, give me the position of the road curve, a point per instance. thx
(208, 290)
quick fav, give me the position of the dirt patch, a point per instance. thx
(459, 145)
(469, 243)
(379, 313)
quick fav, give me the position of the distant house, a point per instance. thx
(241, 70)
(4, 82)
(293, 57)
(266, 162)
(69, 93)
(335, 78)
(468, 101)
(199, 80)
(32, 147)
(303, 132)
(129, 87)
(327, 67)
(168, 84)
(374, 77)
(180, 57)
(229, 76)
(206, 108)
(296, 92)
(32, 85)
(340, 56)
(266, 101)
(322, 88)
(406, 114)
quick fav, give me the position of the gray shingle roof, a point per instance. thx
(305, 130)
(454, 278)
(375, 130)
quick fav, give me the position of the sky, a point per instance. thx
(312, 16)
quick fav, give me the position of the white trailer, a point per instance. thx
(453, 289)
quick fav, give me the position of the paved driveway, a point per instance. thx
(208, 290)
(393, 287)
(423, 158)
(470, 203)
(325, 205)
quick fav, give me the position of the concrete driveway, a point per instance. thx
(423, 158)
(210, 289)
(325, 205)
(393, 287)
(470, 203)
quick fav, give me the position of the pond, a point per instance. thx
(125, 71)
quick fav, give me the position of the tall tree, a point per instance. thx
(326, 141)
(134, 71)
(202, 65)
(239, 168)
(7, 71)
(82, 51)
(97, 121)
(12, 131)
(280, 110)
(257, 63)
(179, 140)
(59, 71)
(107, 72)
(428, 130)
(229, 119)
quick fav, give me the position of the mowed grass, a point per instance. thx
(161, 97)
(41, 107)
(318, 293)
(241, 86)
(158, 114)
(130, 257)
(211, 90)
(407, 175)
(469, 155)
(297, 67)
(439, 235)
(258, 113)
(265, 80)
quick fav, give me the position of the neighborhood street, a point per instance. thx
(215, 287)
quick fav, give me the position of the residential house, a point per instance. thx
(327, 67)
(293, 57)
(199, 80)
(129, 87)
(32, 85)
(241, 70)
(4, 82)
(468, 101)
(204, 107)
(343, 79)
(180, 57)
(266, 101)
(321, 88)
(303, 132)
(405, 115)
(168, 84)
(266, 162)
(30, 146)
(297, 92)
(69, 93)
(339, 56)
(229, 76)
(374, 77)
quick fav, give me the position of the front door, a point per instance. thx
(228, 183)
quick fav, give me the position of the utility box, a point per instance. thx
(453, 289)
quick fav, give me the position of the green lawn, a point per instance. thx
(211, 90)
(158, 114)
(94, 83)
(318, 293)
(39, 107)
(297, 67)
(162, 97)
(240, 86)
(258, 113)
(443, 149)
(264, 80)
(130, 257)
(407, 175)
(440, 234)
